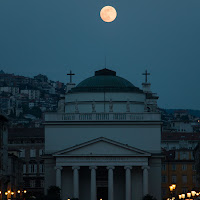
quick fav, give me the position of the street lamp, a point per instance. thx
(189, 195)
(183, 196)
(174, 186)
(193, 193)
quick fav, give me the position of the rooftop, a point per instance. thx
(105, 80)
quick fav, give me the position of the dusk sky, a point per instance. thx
(53, 36)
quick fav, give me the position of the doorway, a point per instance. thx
(102, 193)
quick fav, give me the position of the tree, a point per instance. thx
(149, 197)
(53, 193)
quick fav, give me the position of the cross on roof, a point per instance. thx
(146, 75)
(70, 75)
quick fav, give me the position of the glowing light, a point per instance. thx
(183, 196)
(174, 186)
(25, 191)
(12, 193)
(6, 193)
(18, 191)
(108, 14)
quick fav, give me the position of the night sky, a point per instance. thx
(53, 36)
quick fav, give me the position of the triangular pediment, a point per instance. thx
(102, 147)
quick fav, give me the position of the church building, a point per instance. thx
(105, 140)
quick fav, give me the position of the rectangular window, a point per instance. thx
(32, 183)
(41, 168)
(193, 167)
(184, 190)
(184, 167)
(163, 167)
(24, 168)
(173, 167)
(163, 192)
(184, 179)
(194, 179)
(173, 179)
(33, 168)
(41, 152)
(42, 183)
(32, 152)
(164, 179)
(22, 153)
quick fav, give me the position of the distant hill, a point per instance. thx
(190, 111)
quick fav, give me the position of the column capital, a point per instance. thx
(93, 167)
(58, 167)
(146, 167)
(110, 167)
(75, 167)
(127, 167)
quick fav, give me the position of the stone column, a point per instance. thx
(110, 183)
(93, 183)
(58, 176)
(76, 181)
(128, 182)
(145, 180)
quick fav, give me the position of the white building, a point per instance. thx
(32, 94)
(107, 141)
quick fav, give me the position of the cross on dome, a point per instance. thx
(146, 75)
(70, 75)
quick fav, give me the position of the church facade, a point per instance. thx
(105, 140)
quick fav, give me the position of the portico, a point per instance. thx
(129, 159)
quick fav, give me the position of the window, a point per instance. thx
(173, 167)
(184, 190)
(24, 168)
(32, 168)
(41, 168)
(41, 152)
(42, 183)
(32, 183)
(32, 153)
(193, 167)
(194, 179)
(22, 153)
(184, 167)
(163, 191)
(164, 179)
(163, 167)
(173, 179)
(184, 179)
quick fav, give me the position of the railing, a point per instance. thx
(102, 117)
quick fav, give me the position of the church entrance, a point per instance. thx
(102, 193)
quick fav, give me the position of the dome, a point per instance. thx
(103, 81)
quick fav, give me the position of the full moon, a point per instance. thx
(108, 14)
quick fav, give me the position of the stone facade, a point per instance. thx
(30, 144)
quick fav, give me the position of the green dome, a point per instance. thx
(105, 80)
